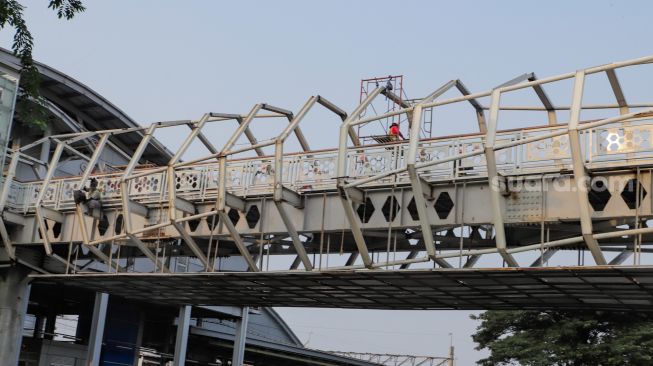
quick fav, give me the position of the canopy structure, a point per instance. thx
(600, 288)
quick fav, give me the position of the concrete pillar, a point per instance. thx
(181, 343)
(14, 297)
(238, 356)
(97, 329)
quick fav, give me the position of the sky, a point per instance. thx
(165, 60)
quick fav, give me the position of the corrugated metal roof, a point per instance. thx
(601, 288)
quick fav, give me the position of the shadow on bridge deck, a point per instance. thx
(600, 288)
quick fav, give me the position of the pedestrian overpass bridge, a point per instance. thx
(469, 221)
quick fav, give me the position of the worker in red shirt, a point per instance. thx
(395, 133)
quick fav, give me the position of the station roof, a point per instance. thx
(95, 111)
(600, 288)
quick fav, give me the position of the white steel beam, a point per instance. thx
(147, 252)
(294, 236)
(97, 329)
(11, 173)
(243, 127)
(419, 190)
(543, 258)
(238, 240)
(240, 338)
(278, 147)
(181, 341)
(344, 131)
(341, 169)
(621, 257)
(580, 174)
(233, 201)
(190, 242)
(41, 213)
(494, 180)
(618, 92)
(355, 226)
(127, 202)
(418, 193)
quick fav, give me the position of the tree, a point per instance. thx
(565, 338)
(11, 14)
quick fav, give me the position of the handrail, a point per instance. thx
(316, 168)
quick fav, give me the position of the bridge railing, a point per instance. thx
(606, 146)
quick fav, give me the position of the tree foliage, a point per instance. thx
(565, 338)
(29, 103)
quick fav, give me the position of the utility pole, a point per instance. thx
(451, 353)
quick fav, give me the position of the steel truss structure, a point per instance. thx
(445, 201)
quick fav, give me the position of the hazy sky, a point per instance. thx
(164, 60)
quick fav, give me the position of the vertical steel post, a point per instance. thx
(238, 356)
(580, 175)
(124, 181)
(14, 296)
(278, 180)
(494, 180)
(181, 343)
(45, 151)
(124, 195)
(341, 166)
(341, 174)
(11, 173)
(278, 146)
(97, 329)
(44, 188)
(420, 202)
(221, 208)
(451, 357)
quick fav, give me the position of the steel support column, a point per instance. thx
(341, 174)
(494, 180)
(11, 173)
(124, 195)
(181, 342)
(543, 258)
(294, 235)
(44, 188)
(14, 296)
(418, 189)
(221, 206)
(580, 174)
(97, 329)
(239, 339)
(356, 228)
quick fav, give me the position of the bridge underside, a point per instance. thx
(599, 288)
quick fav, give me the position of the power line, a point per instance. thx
(367, 330)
